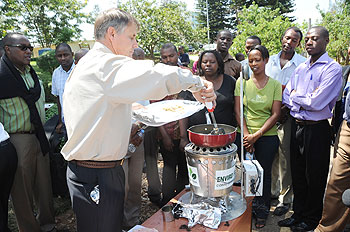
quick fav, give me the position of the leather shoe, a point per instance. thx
(288, 222)
(281, 209)
(301, 227)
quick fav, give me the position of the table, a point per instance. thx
(240, 224)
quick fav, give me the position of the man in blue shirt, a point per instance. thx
(281, 67)
(64, 56)
(310, 95)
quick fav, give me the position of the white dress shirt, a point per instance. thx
(273, 67)
(98, 96)
(3, 134)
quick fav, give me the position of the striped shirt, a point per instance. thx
(14, 112)
(59, 78)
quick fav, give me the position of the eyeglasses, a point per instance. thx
(22, 47)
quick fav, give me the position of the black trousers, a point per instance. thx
(107, 215)
(266, 148)
(310, 154)
(175, 174)
(8, 166)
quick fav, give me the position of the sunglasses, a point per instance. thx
(22, 47)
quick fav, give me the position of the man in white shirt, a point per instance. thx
(280, 67)
(97, 107)
(64, 56)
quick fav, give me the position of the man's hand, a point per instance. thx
(284, 114)
(134, 137)
(206, 94)
(167, 143)
(183, 143)
(59, 127)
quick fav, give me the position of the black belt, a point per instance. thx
(98, 164)
(307, 122)
(4, 143)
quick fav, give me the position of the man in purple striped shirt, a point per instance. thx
(310, 95)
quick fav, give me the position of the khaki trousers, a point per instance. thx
(133, 177)
(335, 214)
(281, 181)
(32, 182)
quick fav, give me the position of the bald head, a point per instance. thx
(138, 54)
(79, 54)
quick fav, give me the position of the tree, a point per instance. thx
(337, 21)
(159, 24)
(268, 24)
(220, 16)
(48, 22)
(223, 14)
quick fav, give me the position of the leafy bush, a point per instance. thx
(46, 78)
(47, 61)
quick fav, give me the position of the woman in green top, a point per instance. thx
(262, 97)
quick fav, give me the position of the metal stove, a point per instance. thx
(211, 173)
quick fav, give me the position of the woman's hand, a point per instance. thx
(249, 140)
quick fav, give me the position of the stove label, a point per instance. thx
(193, 176)
(224, 178)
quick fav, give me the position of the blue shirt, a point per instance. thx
(273, 67)
(59, 78)
(316, 88)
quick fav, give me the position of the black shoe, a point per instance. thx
(288, 222)
(281, 209)
(302, 227)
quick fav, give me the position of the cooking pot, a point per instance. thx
(200, 135)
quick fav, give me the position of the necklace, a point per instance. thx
(257, 84)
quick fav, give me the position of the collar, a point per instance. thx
(324, 59)
(276, 59)
(228, 57)
(26, 70)
(71, 68)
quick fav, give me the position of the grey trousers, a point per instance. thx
(281, 176)
(107, 215)
(32, 182)
(133, 177)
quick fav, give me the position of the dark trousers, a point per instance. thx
(173, 181)
(266, 148)
(8, 166)
(107, 215)
(310, 154)
(151, 158)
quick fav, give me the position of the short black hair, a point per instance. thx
(262, 49)
(224, 31)
(221, 68)
(169, 45)
(63, 45)
(323, 31)
(239, 56)
(296, 29)
(9, 37)
(254, 37)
